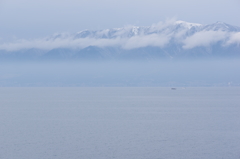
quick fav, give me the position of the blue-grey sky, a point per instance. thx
(39, 18)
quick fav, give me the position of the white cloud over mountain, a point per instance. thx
(204, 38)
(187, 35)
(234, 38)
(146, 40)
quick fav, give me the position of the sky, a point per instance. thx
(40, 18)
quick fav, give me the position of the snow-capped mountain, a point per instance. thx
(171, 39)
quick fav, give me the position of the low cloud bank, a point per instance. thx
(206, 38)
(125, 43)
(234, 38)
(157, 35)
(147, 40)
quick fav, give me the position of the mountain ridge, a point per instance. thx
(173, 39)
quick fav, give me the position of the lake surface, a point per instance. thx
(120, 123)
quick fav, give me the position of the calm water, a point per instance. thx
(122, 123)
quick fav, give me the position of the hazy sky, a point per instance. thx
(38, 18)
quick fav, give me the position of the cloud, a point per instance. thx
(234, 38)
(204, 38)
(131, 37)
(163, 25)
(70, 42)
(59, 43)
(147, 40)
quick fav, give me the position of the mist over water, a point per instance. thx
(187, 72)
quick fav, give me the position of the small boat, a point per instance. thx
(173, 88)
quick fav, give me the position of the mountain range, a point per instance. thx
(164, 40)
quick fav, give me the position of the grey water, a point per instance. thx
(121, 123)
